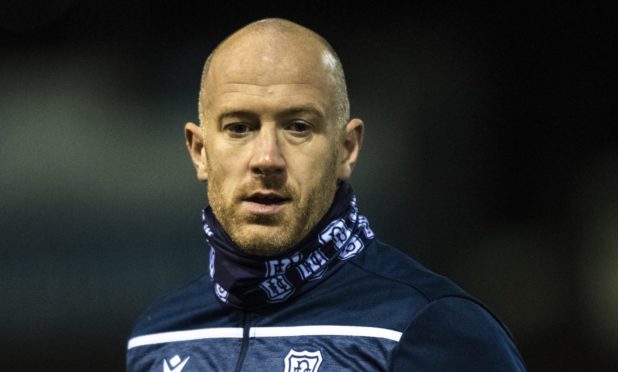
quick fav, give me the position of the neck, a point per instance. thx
(245, 280)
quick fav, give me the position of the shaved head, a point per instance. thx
(275, 138)
(283, 44)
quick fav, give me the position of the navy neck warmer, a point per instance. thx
(248, 281)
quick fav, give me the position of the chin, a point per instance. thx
(264, 240)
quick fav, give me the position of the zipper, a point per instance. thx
(245, 341)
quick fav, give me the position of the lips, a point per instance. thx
(267, 199)
(264, 203)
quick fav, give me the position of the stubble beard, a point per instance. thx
(273, 235)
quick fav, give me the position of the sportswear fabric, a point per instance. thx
(379, 310)
(248, 281)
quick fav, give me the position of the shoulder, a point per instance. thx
(177, 309)
(383, 280)
(391, 265)
(444, 324)
(457, 333)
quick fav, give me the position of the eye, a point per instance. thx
(237, 129)
(299, 128)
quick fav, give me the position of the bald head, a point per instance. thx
(277, 48)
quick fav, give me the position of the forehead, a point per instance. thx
(295, 93)
(271, 65)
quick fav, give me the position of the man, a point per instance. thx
(297, 279)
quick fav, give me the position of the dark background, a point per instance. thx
(489, 156)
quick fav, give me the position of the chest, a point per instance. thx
(308, 348)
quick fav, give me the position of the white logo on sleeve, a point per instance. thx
(303, 361)
(174, 365)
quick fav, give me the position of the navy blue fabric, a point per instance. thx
(248, 281)
(442, 327)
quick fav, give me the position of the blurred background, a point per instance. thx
(489, 156)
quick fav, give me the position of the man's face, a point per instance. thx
(271, 145)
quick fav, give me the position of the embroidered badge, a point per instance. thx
(303, 361)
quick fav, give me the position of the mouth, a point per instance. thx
(264, 204)
(266, 198)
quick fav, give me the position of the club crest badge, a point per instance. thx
(314, 266)
(280, 266)
(277, 288)
(303, 361)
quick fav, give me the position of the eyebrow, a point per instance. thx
(235, 113)
(290, 111)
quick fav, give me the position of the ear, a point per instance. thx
(350, 148)
(194, 138)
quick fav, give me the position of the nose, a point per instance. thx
(267, 159)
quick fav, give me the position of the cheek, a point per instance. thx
(311, 168)
(226, 163)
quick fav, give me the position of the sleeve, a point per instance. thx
(456, 334)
